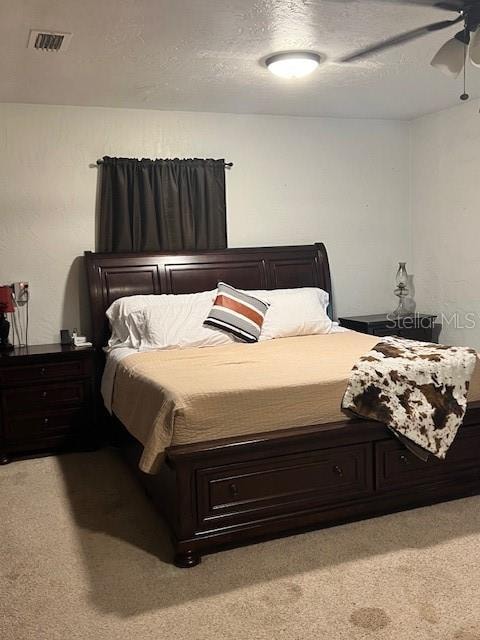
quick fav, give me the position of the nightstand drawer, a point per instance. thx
(45, 371)
(424, 335)
(24, 400)
(43, 424)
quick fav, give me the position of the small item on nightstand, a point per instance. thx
(6, 306)
(401, 291)
(65, 336)
(81, 341)
(74, 335)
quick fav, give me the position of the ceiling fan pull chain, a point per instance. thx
(465, 95)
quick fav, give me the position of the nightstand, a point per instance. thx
(46, 400)
(415, 327)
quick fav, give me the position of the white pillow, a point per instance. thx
(126, 330)
(295, 312)
(176, 326)
(323, 296)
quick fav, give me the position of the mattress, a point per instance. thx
(182, 396)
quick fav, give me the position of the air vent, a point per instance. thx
(49, 40)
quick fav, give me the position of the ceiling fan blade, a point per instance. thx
(450, 58)
(475, 48)
(400, 39)
(447, 5)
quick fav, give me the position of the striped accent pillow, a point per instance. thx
(237, 313)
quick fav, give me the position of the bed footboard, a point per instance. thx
(230, 492)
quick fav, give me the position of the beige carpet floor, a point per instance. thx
(83, 555)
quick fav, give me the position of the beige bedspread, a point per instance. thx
(182, 396)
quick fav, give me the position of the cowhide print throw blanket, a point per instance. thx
(418, 389)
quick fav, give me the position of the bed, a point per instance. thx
(268, 479)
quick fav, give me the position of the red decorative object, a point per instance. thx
(6, 306)
(6, 300)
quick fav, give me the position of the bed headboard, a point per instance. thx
(114, 275)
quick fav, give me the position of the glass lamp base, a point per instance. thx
(401, 311)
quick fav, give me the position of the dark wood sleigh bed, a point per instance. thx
(236, 490)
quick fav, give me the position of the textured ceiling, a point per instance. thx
(204, 55)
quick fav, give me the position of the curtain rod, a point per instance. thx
(228, 165)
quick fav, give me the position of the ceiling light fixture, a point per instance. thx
(450, 58)
(293, 64)
(475, 49)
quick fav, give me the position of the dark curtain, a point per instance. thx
(166, 205)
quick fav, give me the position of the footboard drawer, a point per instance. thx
(397, 467)
(229, 494)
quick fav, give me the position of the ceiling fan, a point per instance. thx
(451, 56)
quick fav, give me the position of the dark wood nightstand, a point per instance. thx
(46, 400)
(415, 327)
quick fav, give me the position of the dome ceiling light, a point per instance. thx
(293, 64)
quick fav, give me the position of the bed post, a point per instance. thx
(323, 274)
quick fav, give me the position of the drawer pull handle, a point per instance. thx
(44, 394)
(43, 371)
(45, 421)
(338, 470)
(404, 459)
(233, 489)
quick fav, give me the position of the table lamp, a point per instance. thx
(6, 306)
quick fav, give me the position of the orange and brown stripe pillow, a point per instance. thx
(237, 313)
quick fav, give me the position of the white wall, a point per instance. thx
(295, 180)
(445, 179)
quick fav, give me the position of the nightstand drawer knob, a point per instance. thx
(44, 394)
(234, 490)
(43, 371)
(45, 421)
